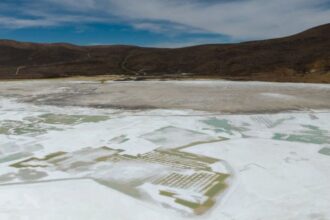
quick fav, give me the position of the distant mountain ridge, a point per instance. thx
(304, 57)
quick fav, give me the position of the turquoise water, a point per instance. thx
(325, 151)
(311, 134)
(223, 125)
(67, 119)
(41, 124)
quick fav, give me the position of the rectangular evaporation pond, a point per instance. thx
(15, 156)
(325, 151)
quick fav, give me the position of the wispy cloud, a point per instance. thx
(12, 22)
(239, 19)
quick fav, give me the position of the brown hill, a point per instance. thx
(304, 57)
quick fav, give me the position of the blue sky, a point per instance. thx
(160, 23)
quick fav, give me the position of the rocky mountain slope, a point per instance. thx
(304, 57)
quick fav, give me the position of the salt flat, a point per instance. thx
(201, 95)
(98, 150)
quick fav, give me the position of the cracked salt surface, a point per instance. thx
(278, 163)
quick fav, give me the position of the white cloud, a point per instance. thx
(239, 19)
(10, 22)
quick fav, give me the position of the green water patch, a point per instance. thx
(223, 125)
(166, 193)
(216, 189)
(120, 139)
(7, 177)
(12, 127)
(325, 151)
(312, 134)
(52, 158)
(188, 204)
(64, 119)
(15, 156)
(127, 189)
(23, 175)
(78, 166)
(30, 174)
(37, 125)
(206, 206)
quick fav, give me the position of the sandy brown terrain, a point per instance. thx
(203, 95)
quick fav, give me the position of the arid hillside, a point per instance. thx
(304, 57)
